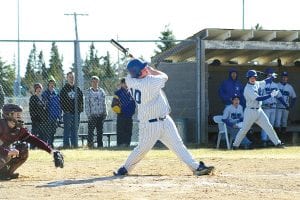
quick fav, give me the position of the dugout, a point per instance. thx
(197, 66)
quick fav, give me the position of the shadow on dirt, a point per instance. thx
(80, 181)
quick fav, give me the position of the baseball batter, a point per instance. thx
(289, 97)
(155, 123)
(253, 112)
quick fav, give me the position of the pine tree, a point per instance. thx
(109, 77)
(56, 66)
(30, 75)
(101, 67)
(7, 78)
(91, 66)
(167, 40)
(42, 68)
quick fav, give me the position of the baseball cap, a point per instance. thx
(95, 78)
(284, 74)
(135, 67)
(235, 96)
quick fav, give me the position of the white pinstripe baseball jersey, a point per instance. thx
(149, 96)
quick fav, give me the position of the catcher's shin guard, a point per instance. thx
(16, 162)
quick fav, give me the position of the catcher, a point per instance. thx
(13, 143)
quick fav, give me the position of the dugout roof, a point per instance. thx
(262, 47)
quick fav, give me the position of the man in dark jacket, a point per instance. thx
(126, 104)
(11, 131)
(68, 95)
(230, 87)
(38, 114)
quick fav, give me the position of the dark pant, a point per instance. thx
(95, 122)
(70, 131)
(9, 165)
(51, 127)
(124, 130)
(39, 129)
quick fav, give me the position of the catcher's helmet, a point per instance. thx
(251, 73)
(135, 67)
(10, 108)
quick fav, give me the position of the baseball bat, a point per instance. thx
(124, 50)
(260, 72)
(265, 74)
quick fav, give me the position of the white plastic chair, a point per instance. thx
(222, 130)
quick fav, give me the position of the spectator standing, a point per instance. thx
(95, 109)
(38, 113)
(51, 99)
(230, 87)
(124, 105)
(68, 94)
(282, 111)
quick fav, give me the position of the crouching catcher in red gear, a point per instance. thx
(14, 139)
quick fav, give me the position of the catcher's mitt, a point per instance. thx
(58, 159)
(116, 104)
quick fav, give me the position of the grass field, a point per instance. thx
(252, 174)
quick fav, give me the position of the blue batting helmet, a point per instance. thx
(284, 74)
(135, 67)
(251, 73)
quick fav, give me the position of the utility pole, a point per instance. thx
(77, 58)
(17, 84)
(243, 14)
(78, 71)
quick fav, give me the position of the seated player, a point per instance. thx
(11, 131)
(233, 116)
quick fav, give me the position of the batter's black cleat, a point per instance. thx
(203, 169)
(235, 148)
(9, 176)
(121, 172)
(264, 144)
(280, 146)
(248, 147)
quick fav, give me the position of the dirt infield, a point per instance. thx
(252, 174)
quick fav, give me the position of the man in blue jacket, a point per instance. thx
(51, 99)
(230, 87)
(124, 105)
